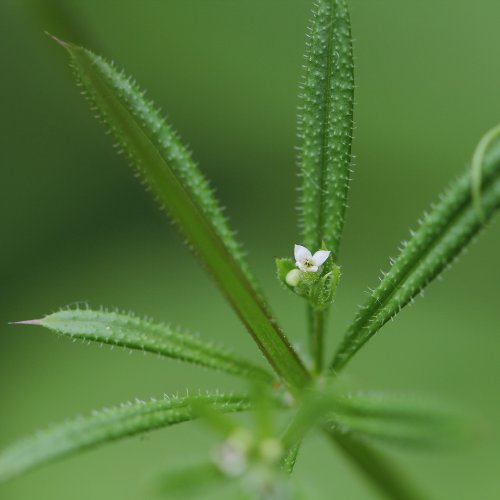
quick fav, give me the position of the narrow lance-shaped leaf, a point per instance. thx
(325, 125)
(397, 420)
(401, 421)
(169, 171)
(382, 472)
(105, 426)
(132, 332)
(442, 235)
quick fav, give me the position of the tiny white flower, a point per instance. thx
(306, 261)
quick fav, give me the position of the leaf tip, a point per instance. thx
(66, 45)
(26, 322)
(477, 168)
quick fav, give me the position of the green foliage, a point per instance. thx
(325, 125)
(400, 420)
(252, 459)
(105, 426)
(477, 165)
(443, 234)
(323, 291)
(288, 461)
(384, 474)
(259, 457)
(168, 170)
(283, 267)
(129, 331)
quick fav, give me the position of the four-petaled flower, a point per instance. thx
(306, 261)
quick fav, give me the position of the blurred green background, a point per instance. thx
(77, 227)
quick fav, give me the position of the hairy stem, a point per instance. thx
(317, 321)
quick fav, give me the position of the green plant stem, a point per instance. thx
(378, 468)
(317, 320)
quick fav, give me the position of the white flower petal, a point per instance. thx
(320, 256)
(301, 253)
(312, 269)
(301, 266)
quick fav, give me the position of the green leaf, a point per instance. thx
(168, 169)
(477, 164)
(382, 472)
(323, 292)
(129, 331)
(288, 461)
(325, 125)
(398, 420)
(442, 236)
(105, 426)
(283, 268)
(401, 420)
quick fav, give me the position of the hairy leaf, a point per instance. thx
(130, 331)
(105, 426)
(325, 125)
(442, 235)
(169, 171)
